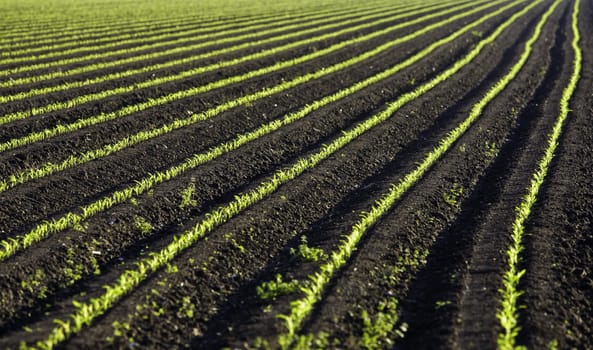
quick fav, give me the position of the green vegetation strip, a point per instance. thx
(74, 160)
(90, 121)
(11, 246)
(147, 31)
(316, 283)
(172, 51)
(91, 36)
(87, 312)
(191, 72)
(181, 36)
(87, 19)
(183, 28)
(225, 36)
(508, 313)
(116, 27)
(45, 28)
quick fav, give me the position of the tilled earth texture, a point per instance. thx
(382, 174)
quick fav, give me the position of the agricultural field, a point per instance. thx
(316, 174)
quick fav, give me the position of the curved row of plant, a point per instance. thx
(41, 231)
(94, 120)
(308, 109)
(508, 313)
(86, 312)
(184, 37)
(294, 33)
(151, 31)
(161, 54)
(174, 29)
(313, 289)
(106, 29)
(266, 129)
(186, 41)
(125, 32)
(68, 27)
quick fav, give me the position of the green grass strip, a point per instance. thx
(117, 27)
(87, 312)
(183, 28)
(313, 290)
(175, 50)
(42, 29)
(90, 121)
(45, 27)
(80, 35)
(188, 73)
(508, 314)
(85, 37)
(225, 36)
(146, 32)
(187, 35)
(11, 246)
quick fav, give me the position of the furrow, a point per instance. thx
(152, 55)
(508, 313)
(51, 168)
(131, 278)
(11, 246)
(90, 121)
(353, 26)
(183, 37)
(234, 169)
(315, 106)
(16, 66)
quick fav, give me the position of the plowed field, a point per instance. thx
(410, 174)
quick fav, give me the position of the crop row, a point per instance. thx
(300, 308)
(216, 35)
(183, 29)
(132, 277)
(294, 314)
(191, 59)
(142, 136)
(510, 292)
(10, 247)
(69, 233)
(75, 26)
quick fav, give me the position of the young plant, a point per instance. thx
(187, 196)
(508, 314)
(142, 225)
(307, 253)
(275, 288)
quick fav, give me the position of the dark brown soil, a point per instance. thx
(440, 251)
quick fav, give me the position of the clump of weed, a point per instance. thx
(142, 225)
(187, 196)
(381, 325)
(307, 253)
(453, 195)
(275, 288)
